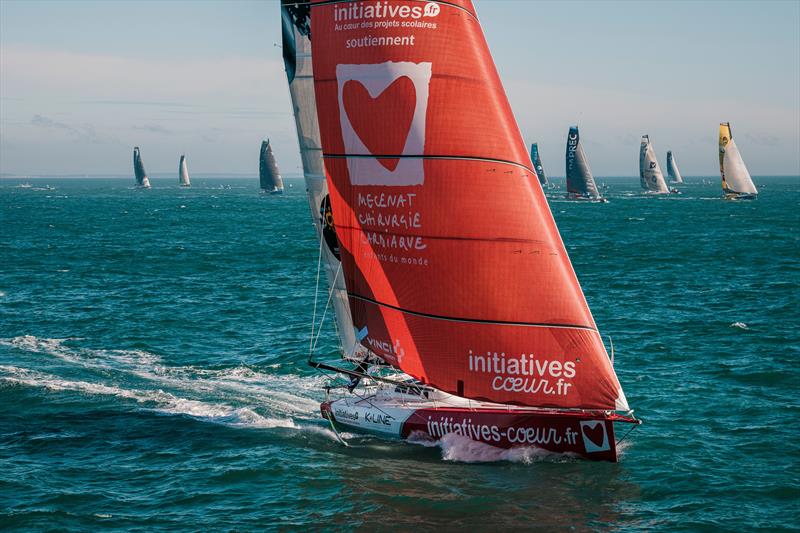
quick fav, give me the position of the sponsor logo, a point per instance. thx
(595, 437)
(341, 414)
(382, 112)
(530, 435)
(358, 11)
(386, 349)
(525, 373)
(381, 419)
(572, 145)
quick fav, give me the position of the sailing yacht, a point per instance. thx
(736, 181)
(138, 170)
(580, 182)
(269, 176)
(672, 169)
(436, 337)
(183, 173)
(650, 175)
(537, 165)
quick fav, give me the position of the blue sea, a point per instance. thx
(153, 375)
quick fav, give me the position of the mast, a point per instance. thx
(672, 169)
(537, 164)
(463, 287)
(183, 172)
(650, 175)
(580, 181)
(138, 169)
(296, 27)
(736, 180)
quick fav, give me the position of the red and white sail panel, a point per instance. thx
(454, 266)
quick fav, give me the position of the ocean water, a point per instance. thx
(153, 371)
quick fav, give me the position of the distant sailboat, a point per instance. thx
(580, 182)
(736, 181)
(672, 169)
(650, 175)
(537, 164)
(268, 173)
(299, 73)
(183, 173)
(138, 170)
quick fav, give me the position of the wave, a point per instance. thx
(155, 400)
(238, 396)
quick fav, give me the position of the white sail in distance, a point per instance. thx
(183, 173)
(672, 169)
(650, 175)
(736, 180)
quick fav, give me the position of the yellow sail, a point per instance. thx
(724, 138)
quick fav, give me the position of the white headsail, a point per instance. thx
(736, 180)
(183, 173)
(299, 71)
(650, 175)
(672, 169)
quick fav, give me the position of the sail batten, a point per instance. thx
(464, 287)
(650, 175)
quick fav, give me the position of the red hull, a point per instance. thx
(582, 434)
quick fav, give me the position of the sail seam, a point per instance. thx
(441, 157)
(471, 320)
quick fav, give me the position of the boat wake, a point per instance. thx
(238, 396)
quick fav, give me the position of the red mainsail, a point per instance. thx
(454, 267)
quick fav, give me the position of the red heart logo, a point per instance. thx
(382, 123)
(596, 434)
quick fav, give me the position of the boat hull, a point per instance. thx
(740, 196)
(588, 435)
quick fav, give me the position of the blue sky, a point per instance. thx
(81, 83)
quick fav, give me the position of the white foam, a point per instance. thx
(156, 400)
(740, 325)
(284, 397)
(459, 448)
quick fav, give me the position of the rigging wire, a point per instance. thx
(316, 295)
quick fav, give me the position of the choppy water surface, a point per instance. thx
(153, 376)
